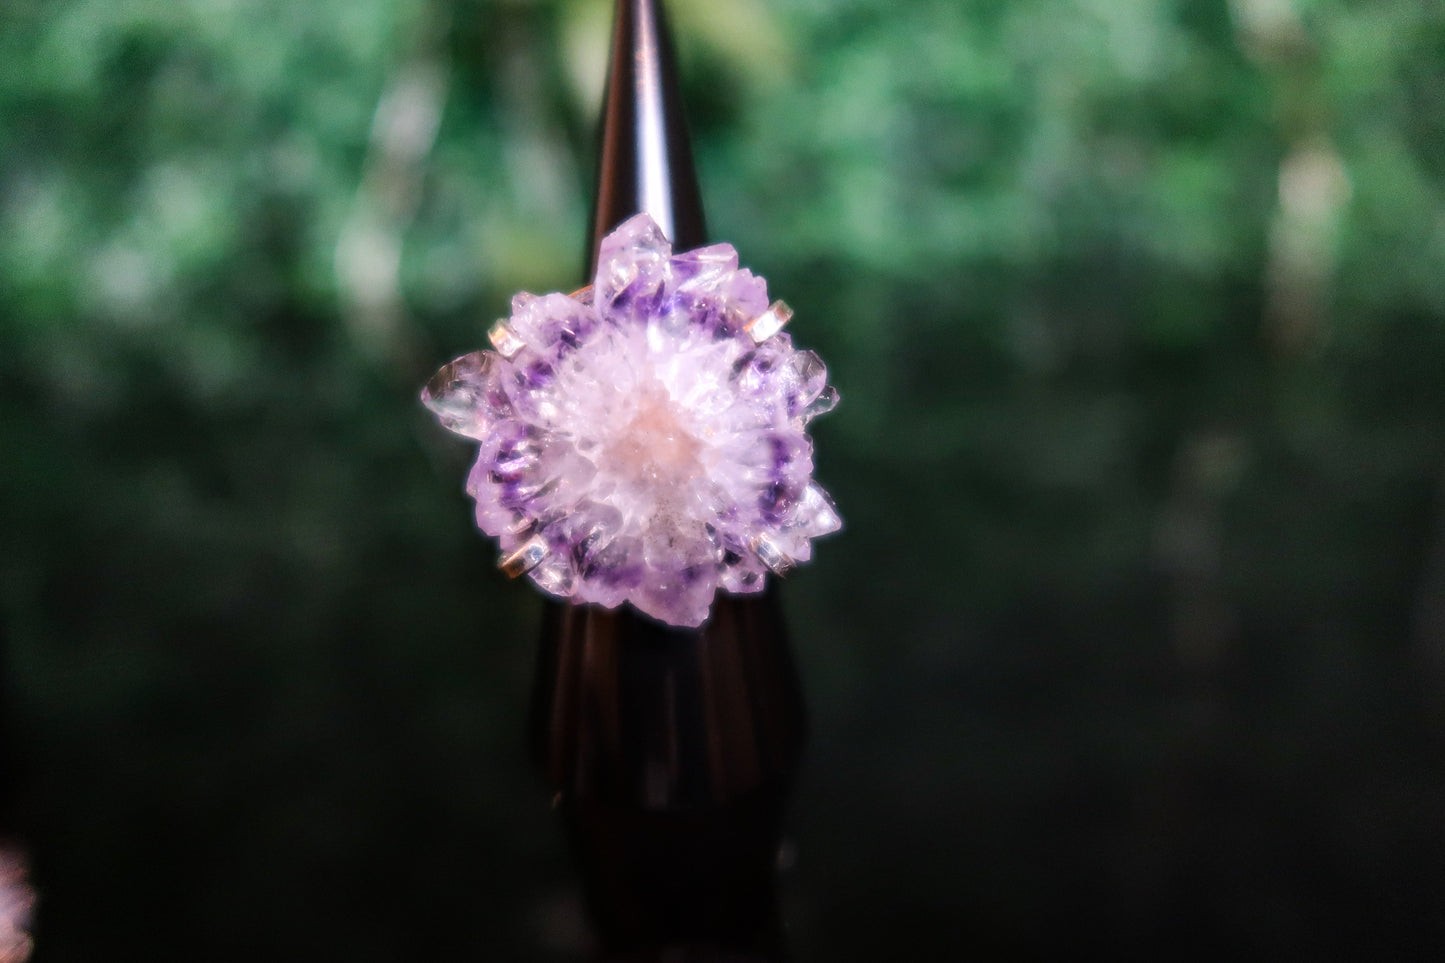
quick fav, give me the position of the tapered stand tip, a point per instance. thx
(645, 162)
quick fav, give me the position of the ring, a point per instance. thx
(644, 439)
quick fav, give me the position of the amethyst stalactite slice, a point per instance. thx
(645, 440)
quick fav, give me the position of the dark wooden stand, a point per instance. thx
(671, 751)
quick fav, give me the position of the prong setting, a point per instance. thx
(505, 340)
(771, 555)
(769, 323)
(527, 557)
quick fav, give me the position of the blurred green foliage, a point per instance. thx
(1135, 639)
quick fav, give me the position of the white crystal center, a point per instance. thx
(655, 449)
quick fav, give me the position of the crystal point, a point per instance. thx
(464, 395)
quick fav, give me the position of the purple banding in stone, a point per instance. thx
(642, 435)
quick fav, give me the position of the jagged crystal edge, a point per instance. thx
(636, 441)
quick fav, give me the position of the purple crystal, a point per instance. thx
(17, 904)
(639, 441)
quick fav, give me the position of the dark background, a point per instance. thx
(1135, 638)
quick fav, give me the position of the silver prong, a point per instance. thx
(769, 323)
(771, 555)
(505, 340)
(525, 558)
